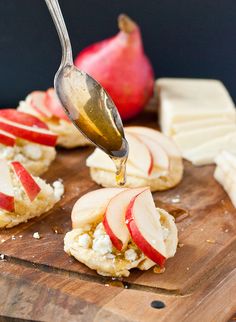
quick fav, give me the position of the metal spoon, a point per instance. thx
(85, 101)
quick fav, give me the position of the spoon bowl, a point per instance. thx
(91, 109)
(85, 101)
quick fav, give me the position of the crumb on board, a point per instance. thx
(210, 241)
(36, 235)
(180, 245)
(175, 199)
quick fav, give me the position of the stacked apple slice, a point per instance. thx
(28, 183)
(149, 153)
(47, 105)
(160, 147)
(15, 124)
(128, 215)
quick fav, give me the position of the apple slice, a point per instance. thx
(99, 159)
(139, 154)
(91, 207)
(114, 219)
(164, 141)
(144, 226)
(6, 188)
(22, 118)
(33, 134)
(29, 185)
(36, 100)
(54, 105)
(7, 138)
(160, 157)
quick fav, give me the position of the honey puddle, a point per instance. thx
(178, 213)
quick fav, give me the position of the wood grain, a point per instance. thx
(40, 281)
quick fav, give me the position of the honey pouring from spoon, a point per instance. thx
(86, 102)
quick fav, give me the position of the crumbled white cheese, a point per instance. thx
(84, 241)
(110, 256)
(102, 245)
(131, 255)
(32, 151)
(18, 191)
(2, 257)
(7, 152)
(165, 232)
(36, 235)
(99, 231)
(19, 157)
(58, 189)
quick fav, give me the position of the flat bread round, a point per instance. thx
(174, 176)
(24, 208)
(103, 265)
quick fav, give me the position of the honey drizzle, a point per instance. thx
(120, 164)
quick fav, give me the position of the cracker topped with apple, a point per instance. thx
(47, 107)
(154, 160)
(117, 229)
(26, 139)
(23, 196)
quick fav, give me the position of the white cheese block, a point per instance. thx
(228, 185)
(225, 173)
(206, 153)
(225, 160)
(197, 124)
(185, 100)
(194, 138)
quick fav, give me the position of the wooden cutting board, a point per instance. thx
(39, 281)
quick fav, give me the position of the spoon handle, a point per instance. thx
(56, 14)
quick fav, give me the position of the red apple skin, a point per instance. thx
(138, 239)
(6, 139)
(31, 188)
(54, 105)
(29, 134)
(7, 202)
(22, 118)
(116, 242)
(151, 165)
(121, 66)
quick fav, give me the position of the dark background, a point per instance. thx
(183, 38)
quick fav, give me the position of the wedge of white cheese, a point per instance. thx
(186, 100)
(225, 173)
(194, 138)
(200, 124)
(206, 153)
(200, 116)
